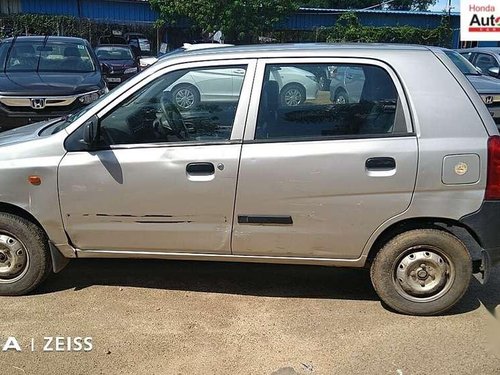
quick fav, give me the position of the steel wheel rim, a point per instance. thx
(14, 258)
(293, 97)
(184, 98)
(423, 274)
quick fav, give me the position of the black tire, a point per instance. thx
(396, 278)
(186, 96)
(341, 97)
(34, 242)
(293, 94)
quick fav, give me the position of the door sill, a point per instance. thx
(359, 262)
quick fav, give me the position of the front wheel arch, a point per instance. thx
(59, 261)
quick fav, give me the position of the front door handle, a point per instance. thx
(380, 164)
(200, 169)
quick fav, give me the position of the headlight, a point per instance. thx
(89, 98)
(130, 70)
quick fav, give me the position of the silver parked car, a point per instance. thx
(346, 84)
(393, 182)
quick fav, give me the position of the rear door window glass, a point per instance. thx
(361, 100)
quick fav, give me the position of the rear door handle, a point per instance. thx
(380, 164)
(200, 169)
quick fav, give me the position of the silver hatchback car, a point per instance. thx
(393, 179)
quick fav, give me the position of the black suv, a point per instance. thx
(46, 77)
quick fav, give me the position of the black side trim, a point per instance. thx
(265, 219)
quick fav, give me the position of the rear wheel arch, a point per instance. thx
(453, 227)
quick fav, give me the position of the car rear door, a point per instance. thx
(316, 180)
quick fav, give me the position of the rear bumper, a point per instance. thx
(485, 223)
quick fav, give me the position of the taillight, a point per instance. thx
(493, 181)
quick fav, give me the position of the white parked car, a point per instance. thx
(224, 85)
(146, 61)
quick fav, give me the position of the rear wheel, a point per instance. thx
(422, 272)
(24, 255)
(186, 96)
(293, 95)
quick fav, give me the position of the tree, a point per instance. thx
(239, 20)
(420, 5)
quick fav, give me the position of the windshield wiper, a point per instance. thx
(8, 54)
(40, 52)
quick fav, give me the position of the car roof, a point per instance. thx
(290, 50)
(40, 38)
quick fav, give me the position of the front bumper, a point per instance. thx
(485, 224)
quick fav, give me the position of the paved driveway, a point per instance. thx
(159, 317)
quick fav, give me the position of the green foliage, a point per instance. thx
(239, 20)
(373, 4)
(349, 29)
(42, 24)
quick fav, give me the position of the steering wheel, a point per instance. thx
(171, 120)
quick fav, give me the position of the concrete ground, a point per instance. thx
(160, 317)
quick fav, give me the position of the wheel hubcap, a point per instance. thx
(293, 97)
(423, 274)
(14, 259)
(184, 98)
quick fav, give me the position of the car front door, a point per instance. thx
(159, 179)
(316, 180)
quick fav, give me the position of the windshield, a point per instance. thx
(114, 53)
(462, 63)
(45, 56)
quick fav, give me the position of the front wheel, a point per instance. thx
(422, 272)
(24, 255)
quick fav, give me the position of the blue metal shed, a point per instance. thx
(116, 11)
(312, 18)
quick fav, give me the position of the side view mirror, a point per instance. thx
(105, 68)
(90, 132)
(494, 71)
